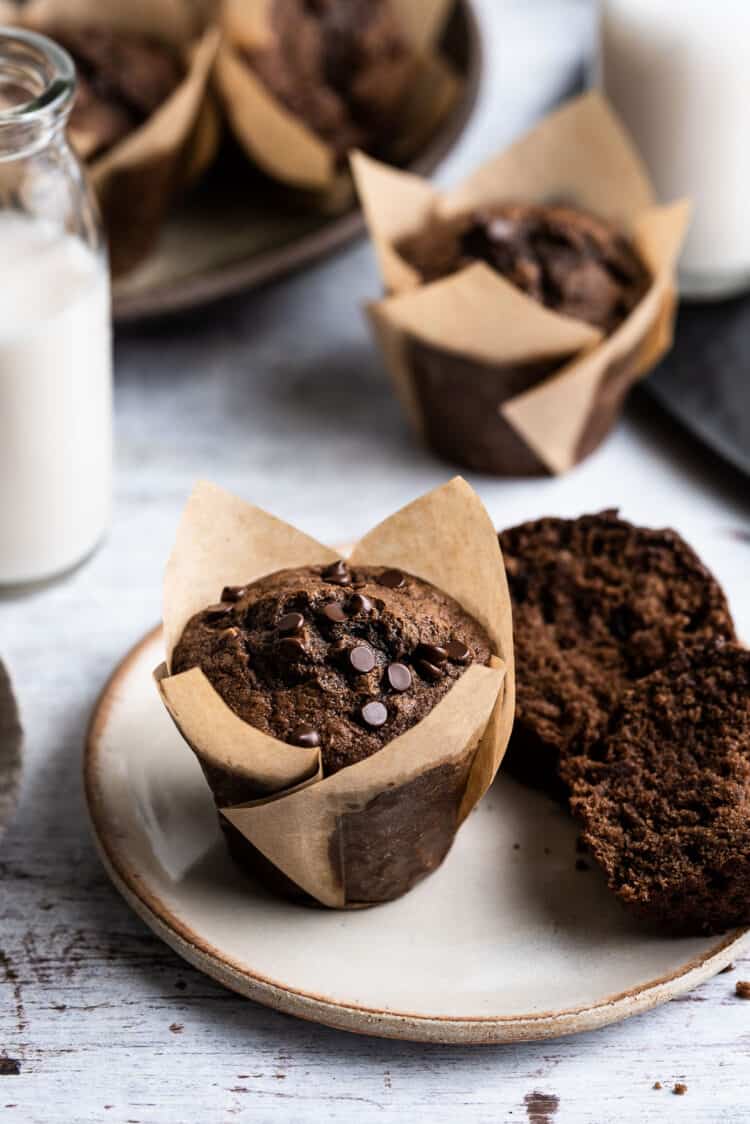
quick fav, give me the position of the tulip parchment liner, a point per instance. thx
(369, 832)
(579, 155)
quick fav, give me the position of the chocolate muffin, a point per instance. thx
(598, 604)
(567, 260)
(122, 79)
(664, 795)
(342, 66)
(344, 658)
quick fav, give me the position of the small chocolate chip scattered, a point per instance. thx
(657, 1085)
(679, 1089)
(337, 573)
(374, 714)
(433, 653)
(304, 735)
(233, 592)
(362, 659)
(291, 623)
(457, 651)
(399, 676)
(338, 647)
(742, 989)
(290, 647)
(429, 670)
(358, 603)
(334, 611)
(391, 579)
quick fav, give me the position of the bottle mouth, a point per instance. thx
(37, 78)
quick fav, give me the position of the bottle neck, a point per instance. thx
(37, 84)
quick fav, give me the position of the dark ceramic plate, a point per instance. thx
(705, 380)
(237, 229)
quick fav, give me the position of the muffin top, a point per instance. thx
(565, 259)
(122, 78)
(597, 605)
(347, 658)
(339, 65)
(664, 798)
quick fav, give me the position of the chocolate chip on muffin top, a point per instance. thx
(567, 260)
(347, 658)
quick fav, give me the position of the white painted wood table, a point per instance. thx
(280, 397)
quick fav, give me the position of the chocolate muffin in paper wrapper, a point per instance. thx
(304, 83)
(490, 377)
(368, 832)
(144, 125)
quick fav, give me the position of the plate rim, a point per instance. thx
(217, 282)
(338, 1014)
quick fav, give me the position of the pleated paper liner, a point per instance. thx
(283, 145)
(136, 180)
(369, 832)
(489, 377)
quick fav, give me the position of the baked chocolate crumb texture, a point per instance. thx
(664, 796)
(598, 604)
(347, 714)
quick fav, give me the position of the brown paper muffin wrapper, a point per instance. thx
(368, 833)
(489, 377)
(136, 180)
(282, 144)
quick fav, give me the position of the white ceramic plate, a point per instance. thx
(507, 941)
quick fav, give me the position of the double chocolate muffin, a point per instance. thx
(122, 79)
(342, 66)
(345, 658)
(664, 795)
(598, 604)
(567, 260)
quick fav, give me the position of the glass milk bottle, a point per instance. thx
(55, 340)
(678, 73)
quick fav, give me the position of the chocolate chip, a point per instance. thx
(215, 612)
(338, 647)
(334, 611)
(391, 579)
(233, 592)
(433, 653)
(290, 647)
(429, 670)
(358, 603)
(362, 659)
(374, 714)
(337, 573)
(457, 651)
(291, 623)
(305, 735)
(399, 676)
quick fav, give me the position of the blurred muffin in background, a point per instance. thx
(342, 66)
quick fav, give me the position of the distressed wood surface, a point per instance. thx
(281, 398)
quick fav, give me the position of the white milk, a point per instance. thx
(55, 400)
(678, 73)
